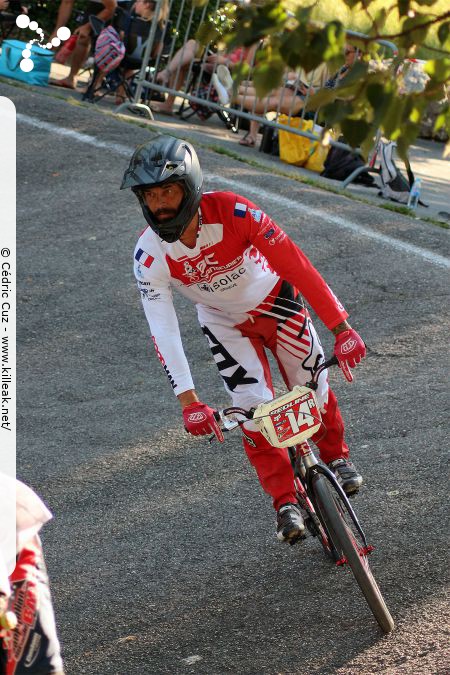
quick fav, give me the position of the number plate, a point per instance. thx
(289, 419)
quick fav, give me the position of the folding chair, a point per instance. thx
(135, 32)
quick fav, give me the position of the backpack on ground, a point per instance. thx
(393, 185)
(109, 50)
(340, 163)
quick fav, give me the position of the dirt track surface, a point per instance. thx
(162, 552)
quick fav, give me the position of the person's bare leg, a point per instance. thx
(289, 104)
(79, 56)
(174, 83)
(249, 139)
(64, 12)
(182, 58)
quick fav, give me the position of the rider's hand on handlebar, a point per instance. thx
(199, 420)
(349, 349)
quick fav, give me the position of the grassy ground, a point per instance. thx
(359, 20)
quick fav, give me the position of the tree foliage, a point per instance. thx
(377, 93)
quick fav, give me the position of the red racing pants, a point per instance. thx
(239, 345)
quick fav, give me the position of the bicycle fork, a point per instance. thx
(305, 466)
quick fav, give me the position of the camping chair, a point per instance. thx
(82, 16)
(135, 33)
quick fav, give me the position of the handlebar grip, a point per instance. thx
(331, 362)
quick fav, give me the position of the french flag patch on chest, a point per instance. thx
(143, 257)
(240, 209)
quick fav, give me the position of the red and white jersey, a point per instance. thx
(239, 257)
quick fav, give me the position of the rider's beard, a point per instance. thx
(163, 215)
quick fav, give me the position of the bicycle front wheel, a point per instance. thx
(333, 515)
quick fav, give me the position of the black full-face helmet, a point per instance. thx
(166, 159)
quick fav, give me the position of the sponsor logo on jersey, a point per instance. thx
(204, 268)
(257, 214)
(223, 282)
(274, 235)
(143, 257)
(240, 210)
(163, 363)
(146, 291)
(339, 304)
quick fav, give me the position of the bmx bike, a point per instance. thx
(287, 422)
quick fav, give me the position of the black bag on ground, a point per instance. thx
(340, 163)
(269, 141)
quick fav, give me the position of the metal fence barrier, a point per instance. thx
(175, 41)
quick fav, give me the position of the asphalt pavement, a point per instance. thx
(162, 552)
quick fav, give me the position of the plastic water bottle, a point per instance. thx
(414, 194)
(66, 50)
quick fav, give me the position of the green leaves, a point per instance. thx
(355, 131)
(438, 69)
(403, 7)
(268, 74)
(414, 30)
(444, 33)
(443, 119)
(308, 45)
(257, 21)
(373, 94)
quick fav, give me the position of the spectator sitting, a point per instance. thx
(289, 99)
(175, 72)
(145, 10)
(351, 54)
(84, 32)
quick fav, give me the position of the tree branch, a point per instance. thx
(431, 22)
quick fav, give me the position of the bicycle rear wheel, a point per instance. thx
(333, 515)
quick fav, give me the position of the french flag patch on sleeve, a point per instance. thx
(240, 210)
(143, 257)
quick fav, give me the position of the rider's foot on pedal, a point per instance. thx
(347, 476)
(290, 523)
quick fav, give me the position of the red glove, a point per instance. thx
(199, 420)
(349, 349)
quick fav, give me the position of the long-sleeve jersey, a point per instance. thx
(239, 257)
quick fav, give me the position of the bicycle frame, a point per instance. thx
(305, 464)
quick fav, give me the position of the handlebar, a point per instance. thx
(229, 423)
